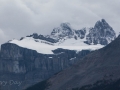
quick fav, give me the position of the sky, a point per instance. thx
(19, 18)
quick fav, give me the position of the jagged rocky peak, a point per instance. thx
(62, 27)
(66, 26)
(102, 23)
(102, 33)
(64, 30)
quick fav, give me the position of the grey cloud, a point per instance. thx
(23, 17)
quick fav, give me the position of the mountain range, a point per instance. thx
(68, 38)
(36, 58)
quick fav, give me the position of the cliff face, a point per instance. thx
(21, 67)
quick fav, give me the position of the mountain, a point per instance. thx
(98, 70)
(66, 37)
(102, 33)
(35, 58)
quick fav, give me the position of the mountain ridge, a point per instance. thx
(64, 35)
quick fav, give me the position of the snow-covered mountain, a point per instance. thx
(101, 33)
(62, 48)
(66, 37)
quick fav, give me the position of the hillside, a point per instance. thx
(99, 66)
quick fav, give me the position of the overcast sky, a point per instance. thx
(23, 17)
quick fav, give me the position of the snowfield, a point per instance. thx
(45, 47)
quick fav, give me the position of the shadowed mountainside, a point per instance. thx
(103, 64)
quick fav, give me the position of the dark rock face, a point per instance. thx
(42, 37)
(102, 33)
(21, 67)
(98, 69)
(64, 30)
(81, 33)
